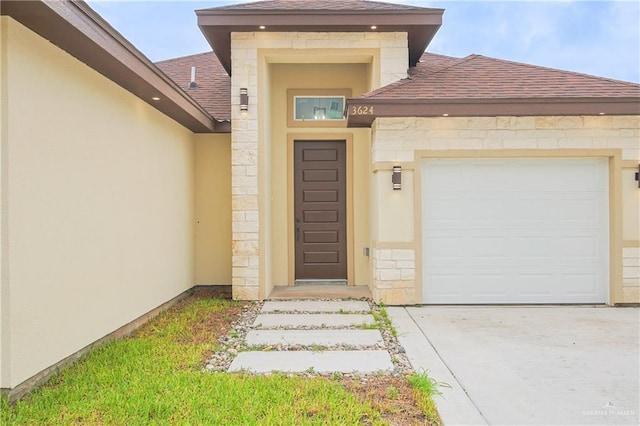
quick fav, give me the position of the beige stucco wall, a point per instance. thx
(97, 207)
(213, 209)
(403, 140)
(4, 246)
(256, 268)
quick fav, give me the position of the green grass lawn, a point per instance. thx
(155, 376)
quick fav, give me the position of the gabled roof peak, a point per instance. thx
(319, 5)
(218, 23)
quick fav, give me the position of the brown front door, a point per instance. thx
(320, 210)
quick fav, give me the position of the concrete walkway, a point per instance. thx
(521, 365)
(314, 336)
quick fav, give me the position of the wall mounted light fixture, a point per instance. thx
(244, 99)
(638, 175)
(396, 178)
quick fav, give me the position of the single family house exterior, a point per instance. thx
(319, 143)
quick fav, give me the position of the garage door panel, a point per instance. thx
(582, 176)
(532, 246)
(447, 285)
(436, 174)
(580, 283)
(485, 284)
(536, 284)
(489, 247)
(536, 207)
(578, 210)
(488, 210)
(444, 246)
(515, 230)
(581, 247)
(445, 210)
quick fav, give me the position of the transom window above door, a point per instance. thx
(317, 107)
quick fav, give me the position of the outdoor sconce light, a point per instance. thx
(396, 178)
(638, 175)
(244, 99)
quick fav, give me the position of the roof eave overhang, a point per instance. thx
(217, 25)
(485, 108)
(80, 31)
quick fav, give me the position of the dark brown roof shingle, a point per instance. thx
(213, 84)
(481, 77)
(436, 77)
(307, 5)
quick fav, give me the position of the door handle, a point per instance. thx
(297, 229)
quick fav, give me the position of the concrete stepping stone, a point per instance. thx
(320, 362)
(315, 337)
(315, 306)
(312, 320)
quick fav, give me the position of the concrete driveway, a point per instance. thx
(528, 365)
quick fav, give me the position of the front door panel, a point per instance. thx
(320, 210)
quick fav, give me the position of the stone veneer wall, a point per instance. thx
(397, 139)
(394, 273)
(631, 267)
(392, 55)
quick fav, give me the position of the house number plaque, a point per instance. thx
(361, 110)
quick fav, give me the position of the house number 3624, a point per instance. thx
(361, 110)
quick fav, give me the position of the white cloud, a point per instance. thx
(601, 38)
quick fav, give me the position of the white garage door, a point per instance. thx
(515, 230)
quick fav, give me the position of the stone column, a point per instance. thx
(244, 173)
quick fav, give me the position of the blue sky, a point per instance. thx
(593, 37)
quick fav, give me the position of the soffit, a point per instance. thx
(217, 24)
